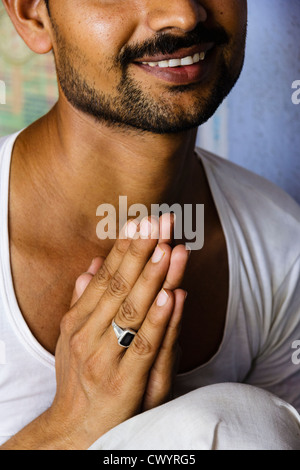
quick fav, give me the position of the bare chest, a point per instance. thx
(44, 293)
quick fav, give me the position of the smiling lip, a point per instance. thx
(180, 54)
(181, 75)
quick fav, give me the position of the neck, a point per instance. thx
(76, 164)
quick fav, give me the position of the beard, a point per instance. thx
(133, 106)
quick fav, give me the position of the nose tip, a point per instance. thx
(183, 15)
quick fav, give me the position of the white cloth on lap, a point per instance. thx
(217, 417)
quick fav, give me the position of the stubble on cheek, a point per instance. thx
(112, 93)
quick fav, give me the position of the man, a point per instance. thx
(136, 78)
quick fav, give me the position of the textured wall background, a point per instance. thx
(258, 126)
(264, 124)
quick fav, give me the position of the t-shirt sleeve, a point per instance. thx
(277, 367)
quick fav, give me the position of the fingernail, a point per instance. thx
(162, 298)
(145, 228)
(157, 255)
(130, 229)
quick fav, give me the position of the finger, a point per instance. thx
(132, 311)
(166, 227)
(131, 253)
(125, 277)
(81, 284)
(178, 264)
(90, 297)
(166, 358)
(140, 356)
(84, 279)
(163, 369)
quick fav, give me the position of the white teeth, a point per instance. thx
(189, 60)
(163, 64)
(174, 63)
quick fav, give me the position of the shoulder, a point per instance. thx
(246, 187)
(248, 193)
(265, 220)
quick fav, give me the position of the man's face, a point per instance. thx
(128, 62)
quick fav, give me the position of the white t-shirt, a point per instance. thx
(262, 228)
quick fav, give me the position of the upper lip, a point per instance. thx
(180, 54)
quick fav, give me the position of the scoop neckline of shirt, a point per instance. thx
(16, 317)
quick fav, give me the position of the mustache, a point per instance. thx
(165, 43)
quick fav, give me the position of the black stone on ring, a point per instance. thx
(124, 336)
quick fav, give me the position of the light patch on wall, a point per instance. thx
(2, 92)
(213, 135)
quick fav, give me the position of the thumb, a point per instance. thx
(84, 279)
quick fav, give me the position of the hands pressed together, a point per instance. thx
(100, 384)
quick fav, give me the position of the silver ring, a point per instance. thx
(124, 336)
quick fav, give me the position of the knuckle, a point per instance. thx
(118, 286)
(136, 251)
(120, 248)
(103, 275)
(67, 324)
(93, 369)
(146, 276)
(78, 343)
(141, 345)
(154, 321)
(127, 312)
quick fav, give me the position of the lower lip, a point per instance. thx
(184, 75)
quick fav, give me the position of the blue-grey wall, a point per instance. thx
(258, 126)
(263, 122)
